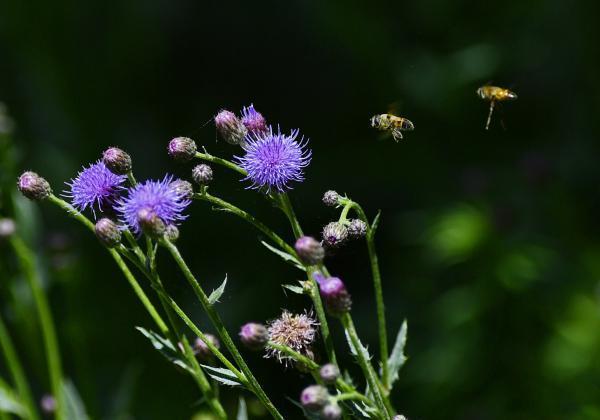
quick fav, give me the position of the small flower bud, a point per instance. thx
(33, 186)
(329, 373)
(399, 417)
(253, 120)
(331, 412)
(254, 336)
(334, 293)
(171, 233)
(331, 198)
(201, 350)
(202, 174)
(48, 404)
(357, 228)
(150, 223)
(310, 250)
(182, 148)
(230, 128)
(7, 228)
(314, 397)
(334, 234)
(184, 188)
(117, 161)
(108, 232)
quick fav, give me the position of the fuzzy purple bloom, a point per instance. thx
(253, 120)
(158, 197)
(274, 160)
(95, 187)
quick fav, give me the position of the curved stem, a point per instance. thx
(223, 162)
(16, 371)
(221, 330)
(27, 262)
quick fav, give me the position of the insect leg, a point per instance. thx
(489, 118)
(397, 135)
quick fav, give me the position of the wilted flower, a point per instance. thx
(33, 186)
(254, 336)
(314, 397)
(274, 160)
(95, 187)
(153, 198)
(253, 120)
(230, 128)
(297, 331)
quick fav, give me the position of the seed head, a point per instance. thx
(274, 160)
(334, 293)
(331, 198)
(117, 161)
(201, 350)
(357, 228)
(202, 174)
(108, 232)
(331, 411)
(230, 128)
(182, 149)
(254, 336)
(314, 397)
(297, 331)
(7, 228)
(334, 234)
(329, 373)
(33, 186)
(253, 120)
(310, 250)
(95, 187)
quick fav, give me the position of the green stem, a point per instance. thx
(223, 162)
(221, 330)
(16, 371)
(131, 179)
(315, 296)
(365, 365)
(26, 259)
(288, 210)
(379, 303)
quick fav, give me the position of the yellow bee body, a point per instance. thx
(392, 123)
(494, 94)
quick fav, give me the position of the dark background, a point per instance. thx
(488, 240)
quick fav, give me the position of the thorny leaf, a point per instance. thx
(217, 293)
(397, 358)
(165, 348)
(286, 257)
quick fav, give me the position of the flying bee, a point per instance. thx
(494, 94)
(392, 123)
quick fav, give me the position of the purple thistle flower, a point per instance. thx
(95, 186)
(158, 197)
(253, 120)
(273, 160)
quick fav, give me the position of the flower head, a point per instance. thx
(95, 187)
(253, 120)
(297, 331)
(159, 198)
(274, 160)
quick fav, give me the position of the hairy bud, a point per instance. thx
(183, 188)
(331, 412)
(230, 128)
(202, 174)
(310, 250)
(314, 397)
(182, 148)
(108, 232)
(331, 198)
(150, 223)
(357, 228)
(7, 228)
(117, 161)
(335, 234)
(33, 186)
(254, 336)
(201, 350)
(334, 293)
(172, 233)
(329, 373)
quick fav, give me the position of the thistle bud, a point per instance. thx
(183, 188)
(117, 161)
(310, 250)
(230, 128)
(201, 350)
(253, 120)
(108, 232)
(334, 234)
(331, 412)
(357, 228)
(48, 404)
(33, 186)
(150, 223)
(334, 293)
(254, 336)
(182, 149)
(202, 174)
(329, 373)
(7, 228)
(314, 397)
(331, 198)
(171, 233)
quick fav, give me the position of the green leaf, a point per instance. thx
(397, 358)
(74, 408)
(242, 413)
(222, 375)
(294, 288)
(9, 401)
(165, 348)
(217, 293)
(353, 350)
(286, 257)
(375, 223)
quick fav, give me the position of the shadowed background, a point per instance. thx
(488, 240)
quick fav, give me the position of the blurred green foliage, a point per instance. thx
(488, 240)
